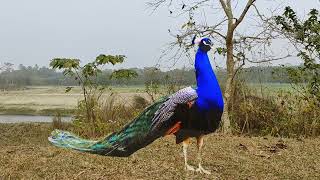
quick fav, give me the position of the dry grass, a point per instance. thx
(26, 154)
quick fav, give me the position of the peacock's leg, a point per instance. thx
(200, 144)
(185, 144)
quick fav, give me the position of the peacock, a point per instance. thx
(188, 113)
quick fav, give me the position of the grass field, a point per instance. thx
(47, 100)
(26, 154)
(271, 88)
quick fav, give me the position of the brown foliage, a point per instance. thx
(108, 115)
(286, 114)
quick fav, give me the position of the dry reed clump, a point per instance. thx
(106, 115)
(302, 115)
(57, 123)
(250, 113)
(140, 102)
(286, 115)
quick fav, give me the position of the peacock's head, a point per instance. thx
(205, 44)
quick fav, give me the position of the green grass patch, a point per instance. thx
(30, 111)
(60, 111)
(271, 88)
(18, 111)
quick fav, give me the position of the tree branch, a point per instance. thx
(226, 9)
(243, 14)
(269, 60)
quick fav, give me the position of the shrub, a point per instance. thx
(57, 123)
(140, 102)
(108, 115)
(286, 115)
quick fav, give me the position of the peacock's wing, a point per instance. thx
(167, 109)
(143, 130)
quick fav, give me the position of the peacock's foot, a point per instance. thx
(189, 168)
(202, 170)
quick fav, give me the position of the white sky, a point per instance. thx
(35, 31)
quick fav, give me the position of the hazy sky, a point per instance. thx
(35, 31)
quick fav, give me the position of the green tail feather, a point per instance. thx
(68, 140)
(131, 138)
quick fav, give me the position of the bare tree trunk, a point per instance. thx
(226, 124)
(232, 25)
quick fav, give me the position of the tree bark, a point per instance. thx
(226, 124)
(232, 25)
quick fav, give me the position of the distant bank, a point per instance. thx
(28, 119)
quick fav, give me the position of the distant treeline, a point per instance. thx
(42, 76)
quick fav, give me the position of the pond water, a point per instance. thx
(26, 119)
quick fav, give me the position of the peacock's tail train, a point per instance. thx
(68, 140)
(132, 137)
(151, 124)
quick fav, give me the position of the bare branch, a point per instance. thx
(227, 9)
(269, 59)
(224, 7)
(157, 3)
(243, 14)
(238, 69)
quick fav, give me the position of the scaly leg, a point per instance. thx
(185, 144)
(200, 144)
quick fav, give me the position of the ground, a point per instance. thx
(25, 153)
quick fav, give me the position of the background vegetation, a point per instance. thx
(44, 76)
(264, 101)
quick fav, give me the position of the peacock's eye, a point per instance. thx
(207, 43)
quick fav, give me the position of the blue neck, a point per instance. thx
(208, 89)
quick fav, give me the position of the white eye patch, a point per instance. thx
(204, 42)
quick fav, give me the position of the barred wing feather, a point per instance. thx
(167, 109)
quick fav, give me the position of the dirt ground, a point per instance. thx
(25, 153)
